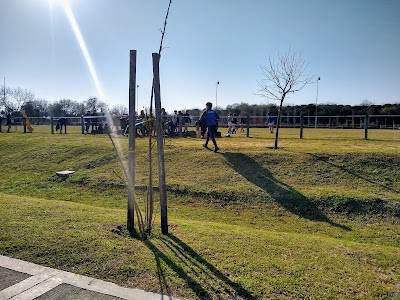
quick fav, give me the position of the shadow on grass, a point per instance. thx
(282, 193)
(202, 277)
(355, 174)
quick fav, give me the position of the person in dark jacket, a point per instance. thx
(8, 122)
(62, 122)
(87, 121)
(211, 119)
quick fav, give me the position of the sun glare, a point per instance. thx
(82, 45)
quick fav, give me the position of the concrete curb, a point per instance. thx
(44, 279)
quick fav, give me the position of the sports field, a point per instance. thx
(317, 218)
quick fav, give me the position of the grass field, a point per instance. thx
(317, 218)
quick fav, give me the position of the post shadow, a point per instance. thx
(189, 252)
(164, 286)
(280, 192)
(192, 260)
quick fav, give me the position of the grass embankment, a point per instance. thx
(317, 218)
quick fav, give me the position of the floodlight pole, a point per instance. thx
(4, 90)
(216, 96)
(132, 146)
(316, 104)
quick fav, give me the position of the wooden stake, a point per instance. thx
(132, 137)
(160, 145)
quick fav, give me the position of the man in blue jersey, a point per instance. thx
(271, 123)
(211, 118)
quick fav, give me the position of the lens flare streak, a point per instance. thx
(83, 47)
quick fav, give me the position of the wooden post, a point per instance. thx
(52, 125)
(248, 126)
(160, 145)
(366, 126)
(24, 123)
(132, 137)
(301, 125)
(82, 125)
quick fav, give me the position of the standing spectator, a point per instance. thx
(186, 118)
(9, 122)
(180, 121)
(87, 121)
(271, 123)
(164, 120)
(174, 121)
(234, 123)
(62, 122)
(241, 123)
(94, 121)
(230, 124)
(211, 119)
(202, 124)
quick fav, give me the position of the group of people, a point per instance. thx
(8, 121)
(180, 121)
(92, 122)
(233, 124)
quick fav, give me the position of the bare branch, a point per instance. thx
(286, 75)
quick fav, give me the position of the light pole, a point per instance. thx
(4, 87)
(316, 104)
(216, 95)
(137, 99)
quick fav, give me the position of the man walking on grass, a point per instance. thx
(210, 118)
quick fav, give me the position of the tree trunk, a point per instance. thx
(278, 123)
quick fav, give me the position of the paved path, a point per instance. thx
(20, 280)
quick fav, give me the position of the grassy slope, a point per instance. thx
(250, 221)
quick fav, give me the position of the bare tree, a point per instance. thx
(119, 110)
(15, 98)
(95, 104)
(281, 77)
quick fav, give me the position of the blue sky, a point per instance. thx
(353, 45)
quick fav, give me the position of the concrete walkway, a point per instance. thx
(21, 280)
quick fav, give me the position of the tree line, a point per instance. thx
(16, 99)
(246, 109)
(19, 98)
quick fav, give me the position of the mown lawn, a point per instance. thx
(318, 218)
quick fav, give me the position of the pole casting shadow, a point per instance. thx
(282, 193)
(188, 265)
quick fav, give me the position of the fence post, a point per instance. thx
(366, 123)
(24, 123)
(52, 125)
(248, 126)
(160, 147)
(83, 125)
(301, 125)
